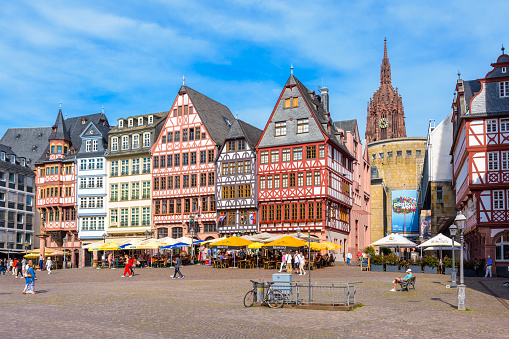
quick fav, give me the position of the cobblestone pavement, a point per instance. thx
(91, 303)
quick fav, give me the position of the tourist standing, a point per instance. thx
(41, 262)
(489, 263)
(296, 260)
(15, 267)
(289, 263)
(2, 266)
(177, 262)
(49, 265)
(110, 259)
(283, 262)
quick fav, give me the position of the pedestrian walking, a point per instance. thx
(41, 262)
(30, 279)
(9, 265)
(131, 265)
(296, 260)
(127, 268)
(302, 262)
(489, 263)
(110, 260)
(177, 262)
(349, 258)
(283, 262)
(49, 265)
(2, 266)
(19, 269)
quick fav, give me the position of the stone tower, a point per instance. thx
(386, 118)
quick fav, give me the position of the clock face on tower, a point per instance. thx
(383, 123)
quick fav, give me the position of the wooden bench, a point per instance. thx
(407, 285)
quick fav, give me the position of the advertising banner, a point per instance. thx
(426, 224)
(404, 211)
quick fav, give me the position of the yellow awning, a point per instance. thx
(256, 245)
(286, 242)
(232, 242)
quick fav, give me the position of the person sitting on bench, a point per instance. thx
(405, 280)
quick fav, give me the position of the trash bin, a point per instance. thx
(282, 282)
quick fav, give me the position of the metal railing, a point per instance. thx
(322, 293)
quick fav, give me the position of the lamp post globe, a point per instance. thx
(146, 234)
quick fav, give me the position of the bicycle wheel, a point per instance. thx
(275, 299)
(249, 298)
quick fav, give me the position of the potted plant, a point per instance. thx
(448, 265)
(415, 266)
(430, 264)
(391, 263)
(403, 265)
(469, 268)
(376, 263)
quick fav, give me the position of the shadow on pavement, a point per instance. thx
(445, 302)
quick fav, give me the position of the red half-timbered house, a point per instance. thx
(183, 171)
(304, 169)
(56, 185)
(481, 162)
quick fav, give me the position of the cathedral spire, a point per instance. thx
(385, 71)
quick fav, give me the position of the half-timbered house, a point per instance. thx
(480, 154)
(56, 184)
(183, 172)
(304, 170)
(236, 185)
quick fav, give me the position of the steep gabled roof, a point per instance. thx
(27, 142)
(346, 125)
(216, 117)
(317, 111)
(59, 129)
(241, 129)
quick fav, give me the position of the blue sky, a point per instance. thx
(130, 56)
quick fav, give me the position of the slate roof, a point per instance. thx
(27, 142)
(471, 88)
(241, 129)
(212, 114)
(74, 127)
(318, 112)
(346, 125)
(17, 166)
(61, 132)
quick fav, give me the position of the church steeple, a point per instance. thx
(385, 71)
(59, 131)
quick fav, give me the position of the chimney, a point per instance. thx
(325, 99)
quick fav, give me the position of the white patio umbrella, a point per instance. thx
(439, 240)
(394, 240)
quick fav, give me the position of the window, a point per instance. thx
(83, 165)
(135, 190)
(197, 132)
(150, 119)
(399, 153)
(169, 137)
(286, 154)
(292, 179)
(321, 151)
(177, 136)
(91, 164)
(317, 178)
(297, 153)
(440, 195)
(284, 180)
(381, 155)
(146, 140)
(100, 163)
(302, 125)
(276, 181)
(505, 160)
(185, 181)
(124, 192)
(230, 146)
(99, 182)
(408, 152)
(83, 182)
(211, 181)
(125, 167)
(193, 180)
(114, 192)
(231, 168)
(177, 160)
(88, 145)
(492, 161)
(135, 169)
(184, 134)
(185, 159)
(193, 158)
(136, 141)
(124, 217)
(95, 145)
(145, 190)
(504, 69)
(176, 232)
(491, 126)
(504, 89)
(146, 165)
(288, 103)
(310, 152)
(156, 162)
(210, 155)
(498, 200)
(130, 122)
(114, 144)
(280, 128)
(264, 157)
(269, 182)
(247, 166)
(140, 121)
(135, 216)
(241, 145)
(274, 156)
(309, 179)
(300, 179)
(203, 179)
(262, 182)
(389, 154)
(177, 182)
(504, 125)
(295, 102)
(125, 142)
(145, 216)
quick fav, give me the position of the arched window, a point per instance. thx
(502, 248)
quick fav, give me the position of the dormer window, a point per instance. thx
(23, 163)
(88, 145)
(150, 119)
(59, 149)
(114, 144)
(2, 156)
(504, 89)
(121, 124)
(13, 158)
(140, 121)
(83, 121)
(130, 123)
(95, 145)
(53, 149)
(504, 69)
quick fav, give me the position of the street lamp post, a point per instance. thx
(64, 240)
(104, 237)
(146, 234)
(453, 230)
(191, 224)
(460, 222)
(421, 239)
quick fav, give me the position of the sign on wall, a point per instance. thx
(404, 211)
(426, 224)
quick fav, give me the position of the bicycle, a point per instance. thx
(272, 298)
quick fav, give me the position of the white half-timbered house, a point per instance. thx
(236, 185)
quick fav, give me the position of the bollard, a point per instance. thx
(461, 297)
